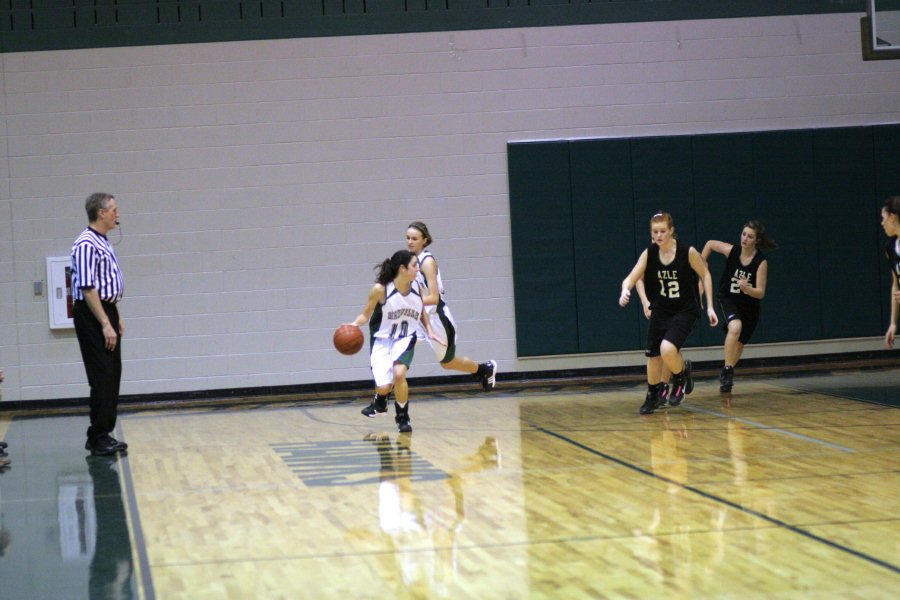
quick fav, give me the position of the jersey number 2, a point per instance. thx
(673, 290)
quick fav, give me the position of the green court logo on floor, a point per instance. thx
(356, 462)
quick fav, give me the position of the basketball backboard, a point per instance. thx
(880, 30)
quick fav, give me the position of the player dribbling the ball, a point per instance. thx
(393, 310)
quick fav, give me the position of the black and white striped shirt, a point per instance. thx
(94, 265)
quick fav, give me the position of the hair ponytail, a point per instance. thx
(389, 267)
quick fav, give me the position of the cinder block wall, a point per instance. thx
(259, 182)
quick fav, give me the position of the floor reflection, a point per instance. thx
(112, 572)
(773, 491)
(63, 526)
(420, 521)
(5, 535)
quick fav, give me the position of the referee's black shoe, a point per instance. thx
(101, 444)
(102, 447)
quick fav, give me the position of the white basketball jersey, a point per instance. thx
(399, 316)
(423, 283)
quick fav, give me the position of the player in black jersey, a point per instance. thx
(741, 287)
(672, 269)
(890, 221)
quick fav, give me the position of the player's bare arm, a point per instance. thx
(376, 295)
(637, 273)
(759, 290)
(698, 263)
(716, 246)
(642, 294)
(891, 333)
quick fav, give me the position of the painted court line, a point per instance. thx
(758, 425)
(774, 521)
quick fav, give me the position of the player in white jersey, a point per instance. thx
(417, 239)
(394, 311)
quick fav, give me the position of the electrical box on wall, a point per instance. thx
(59, 292)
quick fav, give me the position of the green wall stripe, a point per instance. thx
(603, 224)
(847, 241)
(887, 183)
(818, 191)
(543, 248)
(31, 25)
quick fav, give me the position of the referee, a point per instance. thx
(97, 285)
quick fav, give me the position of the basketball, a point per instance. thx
(348, 339)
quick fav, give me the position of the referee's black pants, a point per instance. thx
(103, 367)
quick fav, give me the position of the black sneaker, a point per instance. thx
(377, 407)
(402, 418)
(679, 385)
(102, 446)
(726, 379)
(106, 440)
(651, 402)
(663, 395)
(121, 446)
(403, 425)
(489, 379)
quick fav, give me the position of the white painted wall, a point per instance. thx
(260, 181)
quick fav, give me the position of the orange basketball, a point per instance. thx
(348, 339)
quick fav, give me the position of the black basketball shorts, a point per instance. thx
(748, 316)
(673, 328)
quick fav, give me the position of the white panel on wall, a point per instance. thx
(59, 292)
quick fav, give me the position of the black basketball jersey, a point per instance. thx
(729, 284)
(671, 288)
(890, 250)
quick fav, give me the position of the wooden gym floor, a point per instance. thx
(787, 488)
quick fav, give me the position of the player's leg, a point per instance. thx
(401, 386)
(665, 377)
(443, 324)
(383, 374)
(747, 325)
(733, 348)
(680, 327)
(402, 362)
(671, 356)
(654, 365)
